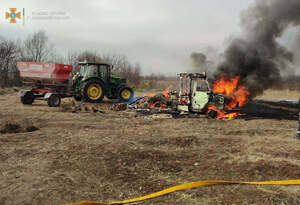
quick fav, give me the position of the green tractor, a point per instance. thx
(94, 81)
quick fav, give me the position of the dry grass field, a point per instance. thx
(61, 157)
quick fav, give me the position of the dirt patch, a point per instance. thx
(31, 129)
(11, 128)
(17, 128)
(12, 123)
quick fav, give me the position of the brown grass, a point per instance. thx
(118, 155)
(4, 91)
(280, 95)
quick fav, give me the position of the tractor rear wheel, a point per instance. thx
(28, 98)
(125, 93)
(93, 91)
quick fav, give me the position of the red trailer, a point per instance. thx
(50, 81)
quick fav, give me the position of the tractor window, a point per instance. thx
(92, 71)
(89, 70)
(103, 70)
(202, 85)
(82, 70)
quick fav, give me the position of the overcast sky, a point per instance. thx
(157, 34)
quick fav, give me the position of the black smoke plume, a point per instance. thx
(257, 57)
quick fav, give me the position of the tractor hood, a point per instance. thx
(118, 79)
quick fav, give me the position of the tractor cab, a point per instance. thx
(94, 81)
(87, 70)
(195, 93)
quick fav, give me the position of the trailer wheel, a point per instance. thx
(54, 100)
(28, 98)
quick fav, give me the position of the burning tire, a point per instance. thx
(125, 93)
(27, 98)
(93, 91)
(54, 101)
(212, 114)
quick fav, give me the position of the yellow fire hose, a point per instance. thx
(188, 186)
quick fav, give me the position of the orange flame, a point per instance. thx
(221, 114)
(150, 95)
(165, 93)
(238, 94)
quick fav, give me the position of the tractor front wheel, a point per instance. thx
(125, 94)
(93, 91)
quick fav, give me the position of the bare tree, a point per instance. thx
(55, 57)
(124, 68)
(89, 56)
(136, 75)
(9, 54)
(37, 48)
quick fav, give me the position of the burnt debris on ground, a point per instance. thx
(285, 109)
(159, 104)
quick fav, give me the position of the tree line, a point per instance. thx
(37, 48)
